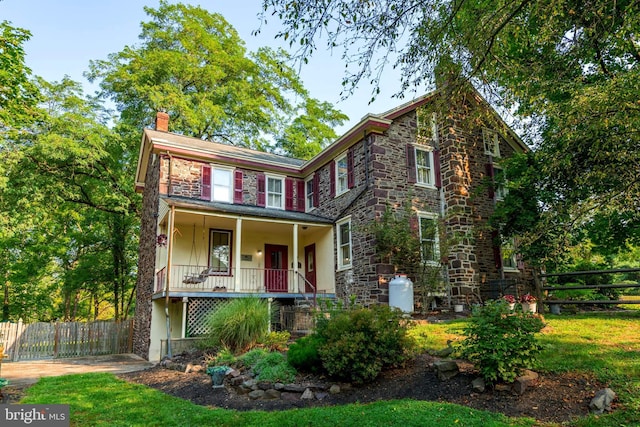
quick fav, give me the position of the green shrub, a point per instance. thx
(501, 343)
(276, 341)
(223, 357)
(250, 358)
(273, 367)
(240, 323)
(303, 353)
(359, 343)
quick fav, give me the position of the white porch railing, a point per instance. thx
(191, 278)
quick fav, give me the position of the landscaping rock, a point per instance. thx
(602, 401)
(290, 396)
(307, 395)
(446, 369)
(478, 385)
(294, 388)
(321, 395)
(271, 394)
(528, 379)
(256, 394)
(264, 385)
(334, 389)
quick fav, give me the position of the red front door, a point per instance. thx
(310, 268)
(275, 268)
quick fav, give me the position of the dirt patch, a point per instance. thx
(556, 398)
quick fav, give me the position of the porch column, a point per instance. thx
(295, 255)
(185, 300)
(236, 255)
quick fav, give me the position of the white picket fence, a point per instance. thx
(33, 341)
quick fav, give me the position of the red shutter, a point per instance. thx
(414, 224)
(350, 171)
(205, 185)
(411, 164)
(300, 196)
(237, 187)
(497, 256)
(490, 174)
(316, 189)
(436, 168)
(332, 178)
(261, 193)
(288, 194)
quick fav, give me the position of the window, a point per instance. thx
(309, 193)
(509, 259)
(221, 184)
(275, 189)
(429, 241)
(344, 243)
(491, 142)
(342, 170)
(424, 167)
(220, 252)
(499, 183)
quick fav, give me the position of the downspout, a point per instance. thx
(168, 279)
(443, 204)
(169, 174)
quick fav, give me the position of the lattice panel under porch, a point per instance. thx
(197, 311)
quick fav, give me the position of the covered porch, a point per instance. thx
(208, 249)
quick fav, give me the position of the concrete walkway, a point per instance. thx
(29, 372)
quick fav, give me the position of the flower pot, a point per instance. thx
(555, 308)
(217, 375)
(458, 308)
(529, 307)
(512, 306)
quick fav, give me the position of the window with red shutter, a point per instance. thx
(332, 178)
(288, 194)
(261, 190)
(490, 174)
(205, 184)
(350, 169)
(316, 189)
(436, 168)
(300, 195)
(411, 164)
(237, 187)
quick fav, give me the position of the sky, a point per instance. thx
(67, 34)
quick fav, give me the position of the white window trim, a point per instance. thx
(433, 217)
(231, 171)
(340, 191)
(307, 207)
(341, 265)
(283, 195)
(491, 136)
(432, 175)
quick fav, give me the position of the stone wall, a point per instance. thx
(146, 260)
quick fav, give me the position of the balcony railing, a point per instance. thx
(190, 278)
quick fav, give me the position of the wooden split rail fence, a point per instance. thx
(22, 341)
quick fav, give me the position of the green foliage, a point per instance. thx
(273, 367)
(239, 324)
(223, 357)
(501, 343)
(251, 357)
(192, 64)
(359, 343)
(303, 353)
(276, 341)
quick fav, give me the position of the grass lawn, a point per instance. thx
(605, 344)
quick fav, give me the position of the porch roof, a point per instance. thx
(245, 210)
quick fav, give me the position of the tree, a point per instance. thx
(193, 65)
(570, 71)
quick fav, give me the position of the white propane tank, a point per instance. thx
(401, 293)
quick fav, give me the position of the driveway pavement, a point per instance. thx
(29, 372)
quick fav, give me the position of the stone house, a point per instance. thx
(223, 222)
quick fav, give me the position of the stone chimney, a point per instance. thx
(162, 121)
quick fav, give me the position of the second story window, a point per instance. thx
(309, 194)
(424, 167)
(509, 259)
(221, 184)
(342, 168)
(499, 183)
(275, 190)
